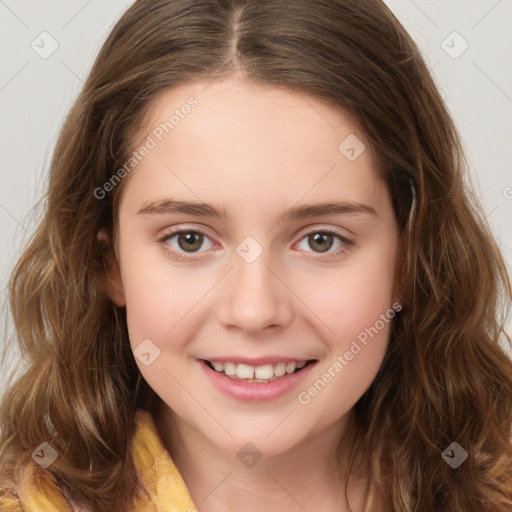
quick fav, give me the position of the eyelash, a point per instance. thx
(348, 244)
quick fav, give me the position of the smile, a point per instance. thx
(260, 374)
(267, 380)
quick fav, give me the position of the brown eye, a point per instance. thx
(322, 241)
(183, 242)
(190, 240)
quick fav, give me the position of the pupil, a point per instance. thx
(319, 238)
(189, 239)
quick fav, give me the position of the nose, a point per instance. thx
(255, 297)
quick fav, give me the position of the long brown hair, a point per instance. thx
(444, 378)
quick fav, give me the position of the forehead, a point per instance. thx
(257, 108)
(258, 140)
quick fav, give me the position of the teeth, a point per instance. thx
(218, 367)
(229, 368)
(280, 369)
(264, 373)
(244, 371)
(290, 368)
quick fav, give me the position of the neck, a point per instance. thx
(306, 477)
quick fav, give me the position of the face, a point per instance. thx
(266, 279)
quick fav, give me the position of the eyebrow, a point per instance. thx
(167, 206)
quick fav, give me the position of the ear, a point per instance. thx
(113, 279)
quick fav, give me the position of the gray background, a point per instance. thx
(36, 92)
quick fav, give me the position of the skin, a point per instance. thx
(256, 151)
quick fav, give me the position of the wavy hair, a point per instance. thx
(445, 376)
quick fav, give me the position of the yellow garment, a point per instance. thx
(165, 489)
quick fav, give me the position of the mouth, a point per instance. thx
(258, 374)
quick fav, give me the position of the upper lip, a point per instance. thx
(258, 361)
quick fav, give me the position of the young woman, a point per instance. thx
(260, 282)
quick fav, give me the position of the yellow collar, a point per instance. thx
(165, 489)
(157, 472)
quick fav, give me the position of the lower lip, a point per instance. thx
(255, 391)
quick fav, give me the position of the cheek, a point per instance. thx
(158, 294)
(353, 296)
(159, 300)
(355, 305)
(359, 319)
